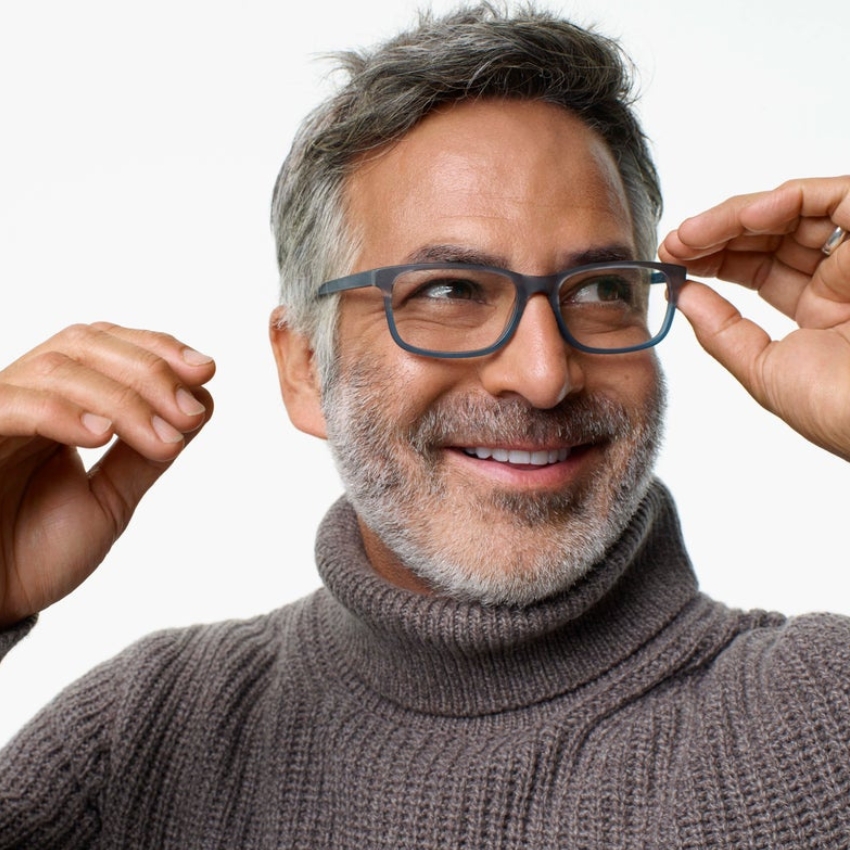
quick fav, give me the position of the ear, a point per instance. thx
(299, 383)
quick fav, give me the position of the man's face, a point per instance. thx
(505, 477)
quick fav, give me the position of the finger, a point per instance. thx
(86, 512)
(794, 279)
(776, 212)
(125, 354)
(151, 412)
(155, 365)
(735, 342)
(779, 284)
(778, 267)
(753, 264)
(191, 365)
(800, 248)
(704, 234)
(812, 233)
(122, 476)
(26, 412)
(826, 198)
(134, 378)
(798, 294)
(831, 283)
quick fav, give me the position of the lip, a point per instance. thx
(521, 476)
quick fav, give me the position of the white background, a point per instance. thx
(138, 147)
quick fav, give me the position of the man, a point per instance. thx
(511, 649)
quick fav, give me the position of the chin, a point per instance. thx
(495, 557)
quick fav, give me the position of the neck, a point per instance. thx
(388, 566)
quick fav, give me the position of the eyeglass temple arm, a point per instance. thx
(352, 281)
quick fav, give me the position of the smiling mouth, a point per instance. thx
(519, 457)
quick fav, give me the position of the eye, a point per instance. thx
(449, 289)
(609, 289)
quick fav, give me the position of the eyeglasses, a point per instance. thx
(459, 310)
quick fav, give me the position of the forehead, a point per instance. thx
(525, 181)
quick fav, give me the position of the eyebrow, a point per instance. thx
(471, 257)
(455, 254)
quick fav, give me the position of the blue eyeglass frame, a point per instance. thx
(526, 285)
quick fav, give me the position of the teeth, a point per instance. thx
(519, 456)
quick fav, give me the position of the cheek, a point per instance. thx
(404, 383)
(631, 379)
(412, 385)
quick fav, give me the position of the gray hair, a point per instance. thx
(474, 52)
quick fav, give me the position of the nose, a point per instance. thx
(536, 364)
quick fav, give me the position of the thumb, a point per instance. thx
(738, 344)
(122, 476)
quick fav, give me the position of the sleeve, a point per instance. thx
(142, 750)
(52, 774)
(117, 756)
(9, 637)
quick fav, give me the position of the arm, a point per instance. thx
(54, 774)
(772, 242)
(83, 387)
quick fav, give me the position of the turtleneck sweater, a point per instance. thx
(629, 711)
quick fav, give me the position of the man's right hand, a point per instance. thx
(81, 388)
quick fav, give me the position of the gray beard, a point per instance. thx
(570, 530)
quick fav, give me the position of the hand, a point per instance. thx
(81, 388)
(771, 242)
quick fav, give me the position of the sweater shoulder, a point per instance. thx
(763, 736)
(168, 707)
(809, 648)
(772, 654)
(211, 660)
(790, 676)
(188, 662)
(811, 652)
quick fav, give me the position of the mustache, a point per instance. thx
(475, 420)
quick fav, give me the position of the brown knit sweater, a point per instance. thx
(629, 712)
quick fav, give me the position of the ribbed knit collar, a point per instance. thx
(438, 655)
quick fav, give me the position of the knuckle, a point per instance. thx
(158, 369)
(126, 398)
(28, 411)
(77, 334)
(138, 336)
(47, 364)
(52, 408)
(156, 341)
(159, 336)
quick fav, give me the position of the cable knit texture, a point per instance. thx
(629, 712)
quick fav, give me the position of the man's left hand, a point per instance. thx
(772, 242)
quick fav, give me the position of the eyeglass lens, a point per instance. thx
(459, 310)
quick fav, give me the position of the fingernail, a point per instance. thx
(188, 403)
(195, 358)
(164, 431)
(96, 424)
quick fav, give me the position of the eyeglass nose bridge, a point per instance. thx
(527, 286)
